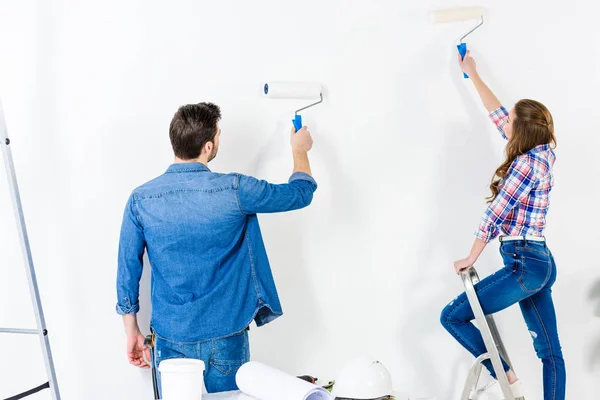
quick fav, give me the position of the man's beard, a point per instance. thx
(213, 154)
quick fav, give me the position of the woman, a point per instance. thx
(517, 211)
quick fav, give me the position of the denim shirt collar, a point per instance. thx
(187, 167)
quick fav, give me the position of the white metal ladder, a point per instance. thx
(41, 330)
(492, 341)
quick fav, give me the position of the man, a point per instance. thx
(210, 272)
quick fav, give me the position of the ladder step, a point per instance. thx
(30, 392)
(20, 331)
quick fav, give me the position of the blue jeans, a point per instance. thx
(222, 358)
(527, 277)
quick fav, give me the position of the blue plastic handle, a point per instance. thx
(462, 49)
(297, 122)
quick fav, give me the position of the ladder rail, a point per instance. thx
(20, 331)
(491, 338)
(28, 258)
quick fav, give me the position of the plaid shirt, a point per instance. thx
(521, 206)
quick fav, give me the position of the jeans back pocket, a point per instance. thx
(537, 267)
(229, 354)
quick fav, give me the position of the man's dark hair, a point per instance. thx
(193, 126)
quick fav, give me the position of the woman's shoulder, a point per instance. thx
(539, 160)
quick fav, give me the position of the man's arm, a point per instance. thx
(301, 145)
(259, 196)
(135, 342)
(131, 252)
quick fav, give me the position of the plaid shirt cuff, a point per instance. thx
(499, 118)
(487, 231)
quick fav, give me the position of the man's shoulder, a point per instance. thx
(149, 186)
(165, 184)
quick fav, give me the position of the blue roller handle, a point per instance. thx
(462, 49)
(297, 122)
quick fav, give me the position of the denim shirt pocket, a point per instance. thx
(537, 267)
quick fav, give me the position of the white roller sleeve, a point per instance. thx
(292, 90)
(455, 14)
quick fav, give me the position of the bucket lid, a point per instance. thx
(181, 366)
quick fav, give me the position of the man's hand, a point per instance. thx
(135, 350)
(301, 141)
(135, 342)
(468, 64)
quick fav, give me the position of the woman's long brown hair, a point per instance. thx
(533, 126)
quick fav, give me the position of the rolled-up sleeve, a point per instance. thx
(258, 196)
(517, 185)
(499, 118)
(130, 262)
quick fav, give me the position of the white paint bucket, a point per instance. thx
(181, 379)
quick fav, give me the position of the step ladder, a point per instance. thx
(41, 330)
(491, 338)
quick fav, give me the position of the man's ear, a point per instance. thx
(208, 146)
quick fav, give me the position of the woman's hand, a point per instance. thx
(462, 265)
(468, 64)
(466, 263)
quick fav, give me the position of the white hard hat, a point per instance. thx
(363, 379)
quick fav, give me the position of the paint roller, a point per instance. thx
(295, 90)
(459, 14)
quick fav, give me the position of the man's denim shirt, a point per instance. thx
(210, 272)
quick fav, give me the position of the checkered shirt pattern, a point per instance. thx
(521, 206)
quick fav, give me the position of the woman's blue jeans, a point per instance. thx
(527, 277)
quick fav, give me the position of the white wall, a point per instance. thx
(403, 155)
